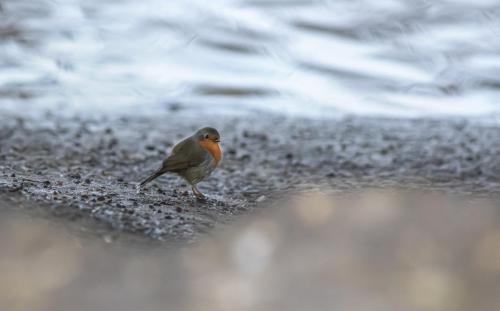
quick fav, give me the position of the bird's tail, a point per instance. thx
(150, 178)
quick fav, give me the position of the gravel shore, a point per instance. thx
(87, 167)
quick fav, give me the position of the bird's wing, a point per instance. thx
(183, 145)
(185, 154)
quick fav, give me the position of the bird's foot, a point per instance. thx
(200, 197)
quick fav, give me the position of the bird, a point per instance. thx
(194, 159)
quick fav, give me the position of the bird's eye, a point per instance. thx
(206, 136)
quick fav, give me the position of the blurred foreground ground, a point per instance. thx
(371, 251)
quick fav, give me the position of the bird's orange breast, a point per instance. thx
(213, 148)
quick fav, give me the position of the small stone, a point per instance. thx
(107, 238)
(178, 210)
(113, 142)
(245, 157)
(262, 198)
(101, 198)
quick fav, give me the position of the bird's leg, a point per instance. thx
(197, 193)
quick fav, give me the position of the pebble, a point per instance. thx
(262, 198)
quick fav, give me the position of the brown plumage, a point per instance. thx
(193, 159)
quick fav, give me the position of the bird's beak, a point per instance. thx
(217, 140)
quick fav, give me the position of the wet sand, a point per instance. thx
(83, 168)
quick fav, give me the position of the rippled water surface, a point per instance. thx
(392, 57)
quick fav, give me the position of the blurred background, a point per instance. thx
(302, 57)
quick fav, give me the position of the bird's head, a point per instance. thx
(208, 134)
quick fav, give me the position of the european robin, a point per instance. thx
(193, 159)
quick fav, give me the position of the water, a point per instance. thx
(388, 57)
